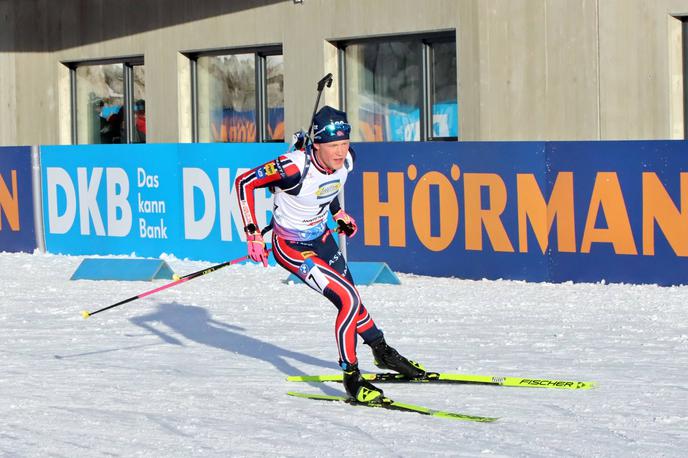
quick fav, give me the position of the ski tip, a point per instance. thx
(85, 314)
(175, 277)
(465, 417)
(578, 385)
(298, 394)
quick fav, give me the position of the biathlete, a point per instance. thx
(306, 185)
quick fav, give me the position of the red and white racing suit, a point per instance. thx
(302, 242)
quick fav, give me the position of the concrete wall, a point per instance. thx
(8, 97)
(527, 69)
(539, 70)
(634, 76)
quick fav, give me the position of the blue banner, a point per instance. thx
(631, 211)
(555, 211)
(410, 200)
(17, 232)
(150, 199)
(537, 211)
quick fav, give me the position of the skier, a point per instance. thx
(306, 184)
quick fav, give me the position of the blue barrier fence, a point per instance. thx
(17, 231)
(149, 199)
(537, 211)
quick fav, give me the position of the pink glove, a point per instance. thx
(346, 223)
(256, 248)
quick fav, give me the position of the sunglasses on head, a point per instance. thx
(333, 129)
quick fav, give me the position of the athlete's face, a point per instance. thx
(332, 154)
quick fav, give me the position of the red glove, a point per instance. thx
(256, 248)
(345, 223)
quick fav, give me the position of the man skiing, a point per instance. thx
(306, 183)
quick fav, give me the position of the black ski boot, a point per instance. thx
(359, 389)
(387, 357)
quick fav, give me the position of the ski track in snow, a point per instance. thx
(199, 369)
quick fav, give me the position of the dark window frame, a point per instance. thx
(260, 54)
(427, 40)
(128, 63)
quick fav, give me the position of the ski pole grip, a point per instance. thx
(326, 80)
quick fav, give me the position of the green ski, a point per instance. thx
(390, 404)
(440, 377)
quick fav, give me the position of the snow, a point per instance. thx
(199, 369)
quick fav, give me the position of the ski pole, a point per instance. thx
(264, 231)
(177, 281)
(325, 81)
(303, 139)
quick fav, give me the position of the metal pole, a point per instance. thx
(37, 188)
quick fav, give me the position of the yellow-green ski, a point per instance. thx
(439, 377)
(389, 404)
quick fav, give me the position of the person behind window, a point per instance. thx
(139, 121)
(111, 123)
(308, 183)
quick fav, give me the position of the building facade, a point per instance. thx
(241, 70)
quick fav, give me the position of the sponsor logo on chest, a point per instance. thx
(328, 189)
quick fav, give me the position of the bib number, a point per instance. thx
(313, 276)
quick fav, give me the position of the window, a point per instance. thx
(108, 102)
(401, 89)
(445, 112)
(238, 96)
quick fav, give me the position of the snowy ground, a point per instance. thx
(199, 369)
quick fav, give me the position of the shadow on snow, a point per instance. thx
(196, 324)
